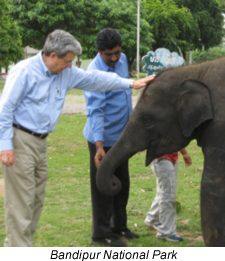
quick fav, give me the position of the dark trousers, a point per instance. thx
(108, 213)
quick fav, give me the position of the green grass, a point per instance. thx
(2, 82)
(66, 217)
(75, 92)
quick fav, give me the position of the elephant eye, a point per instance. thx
(148, 122)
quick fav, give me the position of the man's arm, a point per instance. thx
(186, 157)
(95, 113)
(99, 81)
(100, 153)
(10, 99)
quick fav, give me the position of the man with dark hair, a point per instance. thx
(108, 39)
(30, 108)
(108, 114)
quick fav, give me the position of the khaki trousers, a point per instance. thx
(24, 189)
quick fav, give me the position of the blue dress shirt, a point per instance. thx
(107, 112)
(33, 97)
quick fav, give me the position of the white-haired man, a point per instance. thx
(30, 108)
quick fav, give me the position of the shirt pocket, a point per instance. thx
(59, 99)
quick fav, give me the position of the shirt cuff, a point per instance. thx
(98, 137)
(126, 84)
(6, 145)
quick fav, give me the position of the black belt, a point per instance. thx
(40, 136)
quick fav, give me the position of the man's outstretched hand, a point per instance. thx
(142, 83)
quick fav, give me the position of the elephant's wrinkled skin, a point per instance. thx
(180, 105)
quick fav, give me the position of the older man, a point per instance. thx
(30, 107)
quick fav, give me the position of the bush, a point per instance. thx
(212, 53)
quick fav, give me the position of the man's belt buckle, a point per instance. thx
(42, 135)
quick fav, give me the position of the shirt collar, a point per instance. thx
(44, 67)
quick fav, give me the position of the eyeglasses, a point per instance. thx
(67, 62)
(111, 54)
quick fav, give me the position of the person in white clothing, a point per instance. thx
(162, 213)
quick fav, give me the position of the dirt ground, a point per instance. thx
(188, 235)
(76, 104)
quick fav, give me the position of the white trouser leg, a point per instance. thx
(163, 207)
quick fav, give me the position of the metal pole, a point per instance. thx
(190, 57)
(138, 37)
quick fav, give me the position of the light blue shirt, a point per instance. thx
(33, 97)
(107, 112)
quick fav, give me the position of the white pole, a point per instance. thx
(138, 47)
(190, 57)
(138, 37)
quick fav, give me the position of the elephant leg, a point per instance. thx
(213, 199)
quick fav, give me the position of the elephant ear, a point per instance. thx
(193, 106)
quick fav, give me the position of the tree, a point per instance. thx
(221, 2)
(169, 22)
(10, 40)
(209, 19)
(83, 19)
(183, 25)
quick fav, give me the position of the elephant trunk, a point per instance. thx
(107, 183)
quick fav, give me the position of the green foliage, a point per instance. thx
(83, 19)
(209, 21)
(221, 2)
(179, 25)
(10, 40)
(207, 55)
(169, 22)
(66, 219)
(183, 25)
